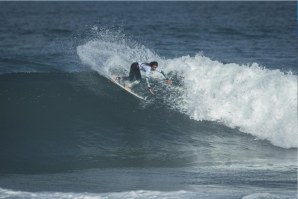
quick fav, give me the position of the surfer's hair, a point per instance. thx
(153, 63)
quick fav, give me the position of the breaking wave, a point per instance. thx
(257, 100)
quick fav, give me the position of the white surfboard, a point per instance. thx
(126, 88)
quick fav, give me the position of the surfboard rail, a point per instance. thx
(115, 80)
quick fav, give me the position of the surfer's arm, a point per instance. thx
(148, 85)
(165, 76)
(147, 81)
(168, 80)
(163, 73)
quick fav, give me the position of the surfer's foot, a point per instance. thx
(134, 82)
(127, 87)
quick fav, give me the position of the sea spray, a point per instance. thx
(109, 51)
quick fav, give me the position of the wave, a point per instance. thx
(268, 196)
(6, 193)
(55, 122)
(258, 101)
(204, 193)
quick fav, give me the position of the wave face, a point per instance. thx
(53, 122)
(258, 101)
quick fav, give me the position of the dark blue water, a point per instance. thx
(227, 128)
(42, 36)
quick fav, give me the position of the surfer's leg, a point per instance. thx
(133, 71)
(138, 74)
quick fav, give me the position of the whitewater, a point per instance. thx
(258, 101)
(140, 194)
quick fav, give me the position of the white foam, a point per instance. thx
(139, 194)
(204, 192)
(258, 101)
(267, 196)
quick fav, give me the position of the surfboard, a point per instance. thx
(116, 81)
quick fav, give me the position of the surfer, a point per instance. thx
(135, 73)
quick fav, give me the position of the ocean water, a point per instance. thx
(226, 128)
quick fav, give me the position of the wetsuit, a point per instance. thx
(135, 72)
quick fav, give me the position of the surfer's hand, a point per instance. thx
(169, 81)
